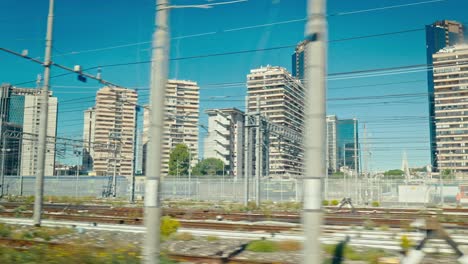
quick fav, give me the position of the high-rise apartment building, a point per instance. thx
(439, 35)
(281, 98)
(225, 138)
(342, 143)
(451, 108)
(88, 137)
(180, 123)
(109, 132)
(20, 111)
(332, 146)
(298, 59)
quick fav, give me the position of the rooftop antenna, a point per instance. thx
(405, 166)
(38, 81)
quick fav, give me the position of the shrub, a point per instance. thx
(169, 226)
(325, 202)
(20, 209)
(29, 200)
(294, 206)
(5, 231)
(185, 236)
(251, 206)
(289, 245)
(212, 238)
(369, 224)
(27, 235)
(267, 213)
(375, 204)
(405, 243)
(43, 234)
(262, 246)
(384, 227)
(334, 202)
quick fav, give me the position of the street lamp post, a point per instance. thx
(3, 167)
(190, 174)
(20, 149)
(114, 174)
(77, 171)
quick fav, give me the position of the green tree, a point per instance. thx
(179, 160)
(447, 174)
(209, 166)
(394, 174)
(337, 174)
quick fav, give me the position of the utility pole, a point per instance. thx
(77, 153)
(315, 127)
(159, 71)
(20, 148)
(190, 174)
(4, 149)
(258, 158)
(247, 156)
(136, 140)
(345, 172)
(356, 172)
(114, 174)
(365, 172)
(42, 147)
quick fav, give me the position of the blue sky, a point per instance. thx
(393, 124)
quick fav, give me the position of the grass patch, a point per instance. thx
(212, 238)
(384, 228)
(262, 246)
(184, 236)
(289, 245)
(371, 256)
(44, 233)
(75, 254)
(5, 230)
(369, 225)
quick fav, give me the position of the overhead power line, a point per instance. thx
(216, 54)
(384, 8)
(238, 29)
(272, 24)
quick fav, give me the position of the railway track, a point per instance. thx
(215, 260)
(110, 210)
(451, 217)
(236, 225)
(24, 243)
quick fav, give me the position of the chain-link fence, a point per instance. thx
(386, 192)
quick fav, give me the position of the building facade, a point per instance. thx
(88, 139)
(332, 150)
(281, 101)
(109, 132)
(180, 121)
(225, 138)
(20, 111)
(342, 144)
(298, 59)
(439, 35)
(348, 143)
(450, 77)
